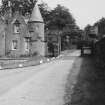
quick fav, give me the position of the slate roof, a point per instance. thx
(36, 15)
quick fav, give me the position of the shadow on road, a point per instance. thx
(85, 83)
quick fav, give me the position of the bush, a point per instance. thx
(99, 52)
(29, 55)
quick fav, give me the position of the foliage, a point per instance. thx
(60, 17)
(87, 31)
(45, 11)
(57, 18)
(87, 28)
(23, 5)
(29, 55)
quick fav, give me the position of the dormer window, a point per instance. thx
(17, 27)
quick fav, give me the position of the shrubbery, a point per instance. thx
(99, 52)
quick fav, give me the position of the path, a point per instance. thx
(37, 85)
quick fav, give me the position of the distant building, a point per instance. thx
(91, 34)
(22, 35)
(94, 30)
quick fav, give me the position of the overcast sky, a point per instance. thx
(84, 11)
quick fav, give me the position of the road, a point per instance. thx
(37, 85)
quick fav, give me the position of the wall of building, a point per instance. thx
(20, 37)
(2, 43)
(39, 45)
(2, 37)
(7, 35)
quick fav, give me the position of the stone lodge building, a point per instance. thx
(22, 35)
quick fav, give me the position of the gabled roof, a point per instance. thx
(36, 15)
(18, 17)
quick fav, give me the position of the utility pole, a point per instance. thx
(59, 43)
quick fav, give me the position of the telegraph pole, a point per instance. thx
(59, 43)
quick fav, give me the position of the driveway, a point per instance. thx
(38, 85)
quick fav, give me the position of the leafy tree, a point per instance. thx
(45, 11)
(23, 5)
(60, 17)
(87, 29)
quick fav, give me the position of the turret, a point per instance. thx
(36, 15)
(37, 30)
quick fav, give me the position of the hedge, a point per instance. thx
(99, 52)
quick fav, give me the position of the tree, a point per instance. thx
(87, 29)
(60, 17)
(45, 11)
(23, 5)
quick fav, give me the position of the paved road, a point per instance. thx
(37, 85)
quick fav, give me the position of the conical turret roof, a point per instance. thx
(36, 15)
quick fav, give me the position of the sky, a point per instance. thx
(84, 11)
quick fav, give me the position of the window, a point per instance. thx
(14, 44)
(16, 27)
(27, 43)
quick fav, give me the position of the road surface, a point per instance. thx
(36, 85)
